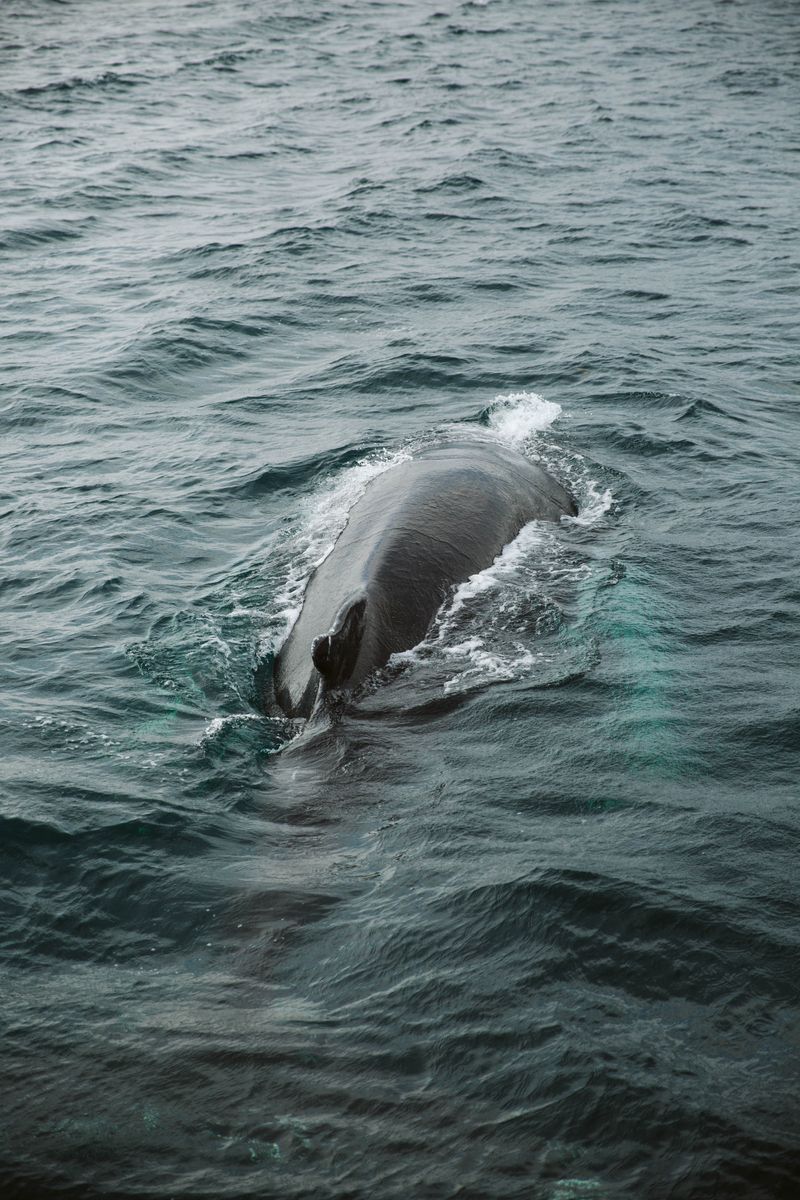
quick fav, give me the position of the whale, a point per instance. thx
(419, 529)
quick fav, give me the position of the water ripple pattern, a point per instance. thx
(524, 924)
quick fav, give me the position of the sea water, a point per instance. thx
(524, 923)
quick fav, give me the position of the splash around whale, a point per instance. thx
(419, 529)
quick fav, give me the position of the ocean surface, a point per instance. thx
(525, 924)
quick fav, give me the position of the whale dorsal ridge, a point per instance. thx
(335, 653)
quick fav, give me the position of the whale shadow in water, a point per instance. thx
(419, 529)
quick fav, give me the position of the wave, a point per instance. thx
(40, 234)
(105, 80)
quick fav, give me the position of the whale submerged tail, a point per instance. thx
(336, 652)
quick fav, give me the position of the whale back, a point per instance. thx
(419, 528)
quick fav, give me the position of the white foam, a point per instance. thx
(474, 616)
(595, 504)
(217, 724)
(517, 416)
(501, 569)
(216, 641)
(486, 666)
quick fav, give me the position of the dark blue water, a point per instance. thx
(525, 924)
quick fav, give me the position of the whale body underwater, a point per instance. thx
(420, 528)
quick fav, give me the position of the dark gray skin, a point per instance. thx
(419, 529)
